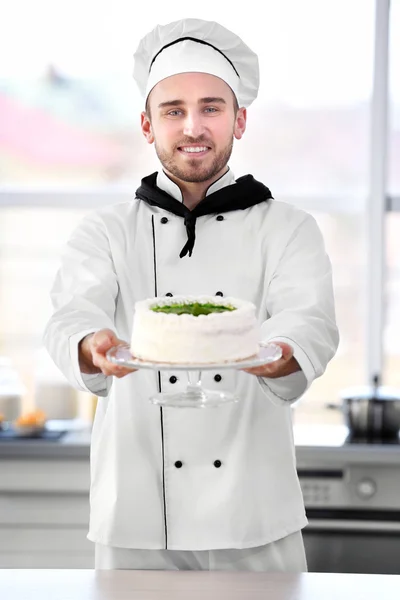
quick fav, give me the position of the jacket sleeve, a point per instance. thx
(83, 297)
(300, 306)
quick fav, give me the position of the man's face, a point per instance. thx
(193, 123)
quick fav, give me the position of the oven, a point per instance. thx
(352, 497)
(352, 542)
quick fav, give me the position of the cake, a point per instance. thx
(188, 329)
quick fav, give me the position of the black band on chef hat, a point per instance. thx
(193, 40)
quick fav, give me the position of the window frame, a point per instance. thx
(377, 204)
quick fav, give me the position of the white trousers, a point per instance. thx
(285, 555)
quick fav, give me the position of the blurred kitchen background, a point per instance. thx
(70, 141)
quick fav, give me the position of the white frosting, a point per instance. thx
(213, 338)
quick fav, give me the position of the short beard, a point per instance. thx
(194, 172)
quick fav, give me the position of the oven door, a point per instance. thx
(353, 541)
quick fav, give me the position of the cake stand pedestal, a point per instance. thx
(194, 396)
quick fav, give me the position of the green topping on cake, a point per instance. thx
(194, 309)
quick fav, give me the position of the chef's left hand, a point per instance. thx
(286, 365)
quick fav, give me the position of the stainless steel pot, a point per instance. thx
(372, 412)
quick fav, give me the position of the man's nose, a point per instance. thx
(193, 125)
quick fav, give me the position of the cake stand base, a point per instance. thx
(193, 398)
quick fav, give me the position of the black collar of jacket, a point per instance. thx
(246, 192)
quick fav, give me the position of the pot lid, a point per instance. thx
(370, 392)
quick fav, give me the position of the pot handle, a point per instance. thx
(333, 406)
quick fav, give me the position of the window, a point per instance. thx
(394, 91)
(391, 339)
(70, 140)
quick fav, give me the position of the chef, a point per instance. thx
(183, 488)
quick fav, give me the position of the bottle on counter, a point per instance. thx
(52, 392)
(11, 390)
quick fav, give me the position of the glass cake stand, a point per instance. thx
(194, 396)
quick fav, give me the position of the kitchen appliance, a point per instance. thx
(351, 489)
(372, 412)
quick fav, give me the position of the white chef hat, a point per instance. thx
(194, 45)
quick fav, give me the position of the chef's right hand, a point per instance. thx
(92, 354)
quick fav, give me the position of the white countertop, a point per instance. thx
(192, 585)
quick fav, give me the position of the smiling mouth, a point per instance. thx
(194, 150)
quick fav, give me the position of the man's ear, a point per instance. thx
(240, 123)
(146, 127)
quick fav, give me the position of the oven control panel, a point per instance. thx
(357, 486)
(366, 488)
(322, 487)
(316, 494)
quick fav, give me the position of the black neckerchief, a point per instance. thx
(246, 192)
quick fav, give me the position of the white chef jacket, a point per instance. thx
(188, 479)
